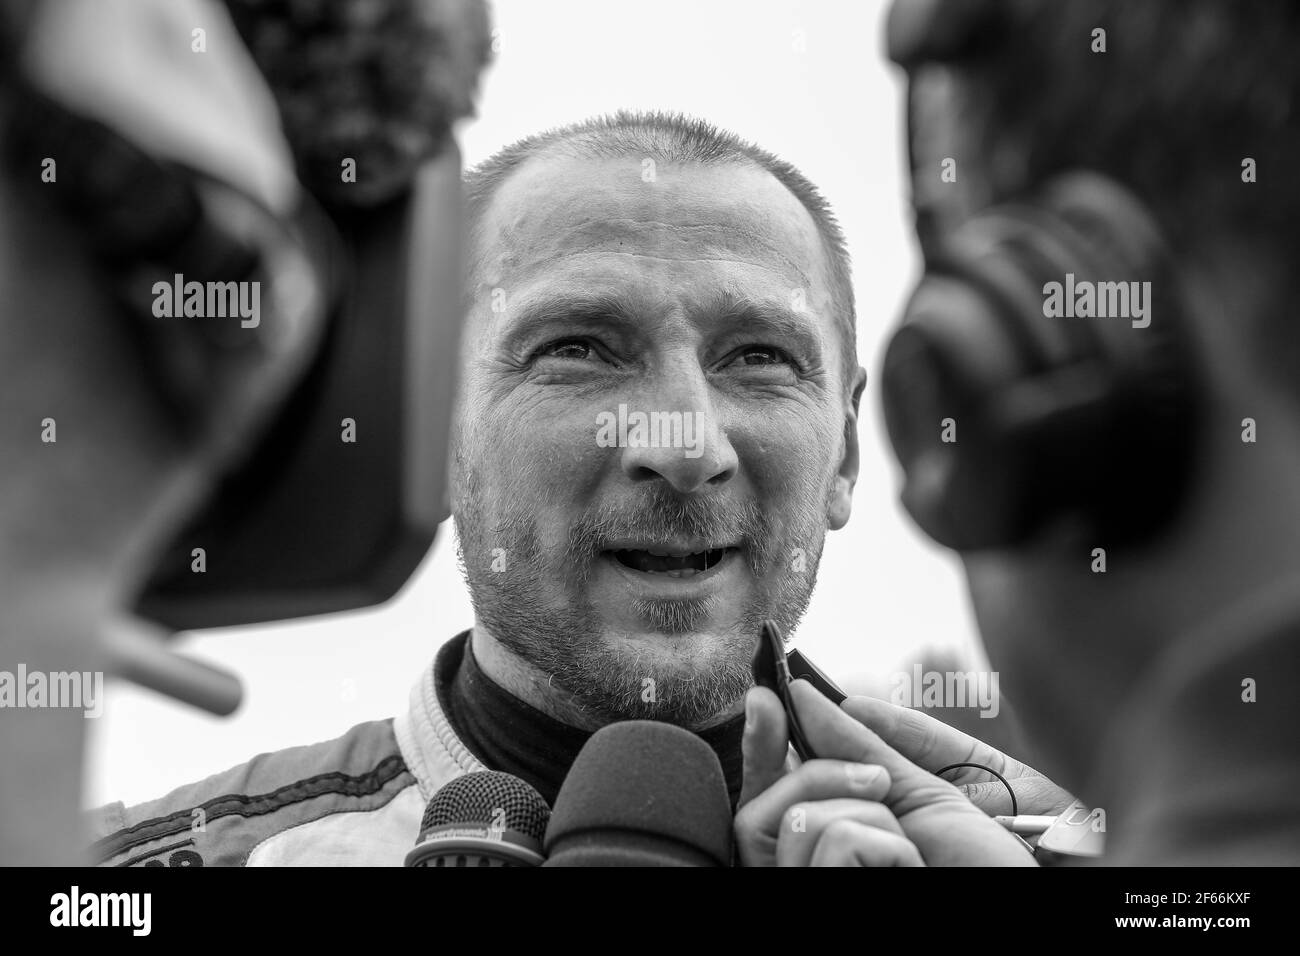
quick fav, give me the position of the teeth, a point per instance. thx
(689, 564)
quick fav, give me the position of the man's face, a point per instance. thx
(631, 559)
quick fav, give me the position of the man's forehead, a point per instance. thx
(587, 209)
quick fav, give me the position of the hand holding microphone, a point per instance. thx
(827, 812)
(932, 745)
(861, 803)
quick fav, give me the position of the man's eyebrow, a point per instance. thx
(581, 309)
(762, 317)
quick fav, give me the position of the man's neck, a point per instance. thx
(526, 682)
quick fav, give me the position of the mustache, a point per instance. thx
(658, 512)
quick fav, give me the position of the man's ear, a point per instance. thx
(837, 512)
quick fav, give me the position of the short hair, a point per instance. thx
(675, 138)
(1185, 91)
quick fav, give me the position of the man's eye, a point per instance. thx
(763, 355)
(567, 348)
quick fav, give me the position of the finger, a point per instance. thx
(927, 742)
(758, 822)
(803, 825)
(933, 745)
(849, 843)
(834, 733)
(1035, 794)
(764, 745)
(992, 797)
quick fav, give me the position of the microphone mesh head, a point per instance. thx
(488, 798)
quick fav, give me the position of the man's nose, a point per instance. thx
(682, 443)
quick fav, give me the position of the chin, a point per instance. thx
(685, 679)
(649, 639)
(681, 654)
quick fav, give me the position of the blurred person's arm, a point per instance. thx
(69, 509)
(79, 513)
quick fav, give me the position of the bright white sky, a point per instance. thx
(805, 80)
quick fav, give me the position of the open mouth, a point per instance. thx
(675, 565)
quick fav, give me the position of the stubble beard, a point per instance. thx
(560, 633)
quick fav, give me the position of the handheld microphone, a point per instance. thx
(351, 373)
(486, 818)
(642, 793)
(367, 94)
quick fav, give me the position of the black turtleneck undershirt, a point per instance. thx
(509, 735)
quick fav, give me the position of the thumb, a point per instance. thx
(834, 734)
(764, 745)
